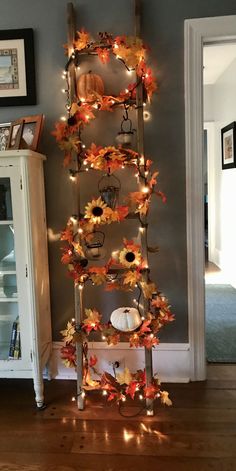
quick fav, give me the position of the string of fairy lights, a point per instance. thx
(141, 174)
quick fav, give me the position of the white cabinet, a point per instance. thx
(25, 320)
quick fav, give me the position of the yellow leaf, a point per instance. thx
(131, 278)
(148, 289)
(98, 278)
(125, 377)
(165, 398)
(78, 248)
(92, 317)
(91, 382)
(68, 332)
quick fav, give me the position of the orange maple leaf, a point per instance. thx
(103, 54)
(81, 40)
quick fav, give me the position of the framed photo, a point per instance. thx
(4, 135)
(228, 144)
(31, 132)
(15, 134)
(17, 70)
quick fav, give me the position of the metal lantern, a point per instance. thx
(94, 242)
(109, 188)
(126, 133)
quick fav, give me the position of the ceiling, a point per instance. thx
(216, 59)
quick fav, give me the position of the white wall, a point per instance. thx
(220, 107)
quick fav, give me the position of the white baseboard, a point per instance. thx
(171, 361)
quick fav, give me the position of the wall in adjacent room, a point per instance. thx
(222, 111)
(163, 30)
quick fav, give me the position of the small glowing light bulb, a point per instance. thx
(86, 169)
(63, 90)
(73, 319)
(145, 189)
(80, 230)
(140, 397)
(72, 178)
(123, 399)
(103, 337)
(143, 318)
(142, 229)
(104, 392)
(63, 118)
(83, 145)
(78, 67)
(73, 399)
(149, 412)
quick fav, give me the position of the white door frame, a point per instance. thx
(197, 32)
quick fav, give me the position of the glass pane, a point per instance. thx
(7, 253)
(10, 346)
(5, 199)
(8, 288)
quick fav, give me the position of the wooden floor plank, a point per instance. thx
(70, 462)
(154, 443)
(197, 434)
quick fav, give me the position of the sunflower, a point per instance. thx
(130, 255)
(96, 211)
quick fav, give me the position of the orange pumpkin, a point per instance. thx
(89, 86)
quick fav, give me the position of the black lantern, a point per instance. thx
(109, 188)
(94, 242)
(126, 133)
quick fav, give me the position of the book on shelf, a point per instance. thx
(15, 345)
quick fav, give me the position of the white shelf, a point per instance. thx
(6, 222)
(8, 300)
(7, 272)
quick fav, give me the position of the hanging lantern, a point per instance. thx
(94, 242)
(109, 188)
(126, 133)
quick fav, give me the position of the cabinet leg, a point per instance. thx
(39, 393)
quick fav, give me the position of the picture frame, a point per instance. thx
(4, 135)
(228, 144)
(17, 67)
(15, 134)
(31, 132)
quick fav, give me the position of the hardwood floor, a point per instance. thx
(197, 434)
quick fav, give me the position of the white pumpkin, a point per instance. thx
(126, 319)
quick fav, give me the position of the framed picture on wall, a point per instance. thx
(15, 134)
(228, 144)
(17, 70)
(31, 132)
(4, 135)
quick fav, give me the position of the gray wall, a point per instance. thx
(163, 28)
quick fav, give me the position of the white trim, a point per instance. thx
(170, 361)
(210, 128)
(197, 32)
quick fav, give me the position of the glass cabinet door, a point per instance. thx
(10, 344)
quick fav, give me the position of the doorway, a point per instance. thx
(219, 104)
(198, 32)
